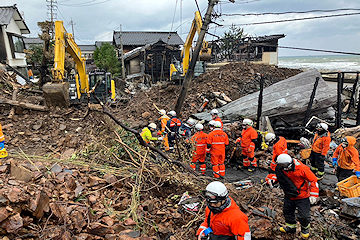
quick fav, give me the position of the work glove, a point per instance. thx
(160, 138)
(238, 140)
(2, 144)
(271, 183)
(334, 162)
(322, 158)
(312, 200)
(357, 173)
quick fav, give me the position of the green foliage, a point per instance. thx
(105, 58)
(34, 54)
(229, 42)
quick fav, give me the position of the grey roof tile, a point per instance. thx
(143, 38)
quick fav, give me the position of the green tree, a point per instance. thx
(105, 58)
(229, 43)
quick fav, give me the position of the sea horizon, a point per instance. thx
(344, 63)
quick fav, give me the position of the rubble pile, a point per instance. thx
(228, 82)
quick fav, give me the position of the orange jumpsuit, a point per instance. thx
(321, 144)
(348, 158)
(230, 222)
(217, 139)
(279, 147)
(200, 139)
(163, 121)
(248, 146)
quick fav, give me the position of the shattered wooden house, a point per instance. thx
(148, 55)
(12, 28)
(262, 49)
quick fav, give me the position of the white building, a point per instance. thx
(12, 28)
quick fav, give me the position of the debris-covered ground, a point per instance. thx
(74, 174)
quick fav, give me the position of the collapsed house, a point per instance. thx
(286, 100)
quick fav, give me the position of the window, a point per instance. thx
(18, 44)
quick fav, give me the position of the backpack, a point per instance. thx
(289, 188)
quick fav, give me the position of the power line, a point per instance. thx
(319, 50)
(294, 19)
(84, 4)
(282, 13)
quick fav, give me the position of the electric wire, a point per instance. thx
(172, 24)
(84, 4)
(290, 12)
(293, 19)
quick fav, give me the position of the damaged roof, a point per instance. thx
(9, 12)
(143, 38)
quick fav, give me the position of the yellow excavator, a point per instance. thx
(66, 89)
(176, 73)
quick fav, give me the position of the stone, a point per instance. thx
(20, 173)
(13, 224)
(14, 195)
(78, 190)
(4, 214)
(56, 168)
(146, 115)
(62, 127)
(42, 204)
(13, 182)
(67, 153)
(3, 200)
(129, 222)
(3, 168)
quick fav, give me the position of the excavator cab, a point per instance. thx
(104, 90)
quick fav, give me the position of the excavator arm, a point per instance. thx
(205, 53)
(65, 41)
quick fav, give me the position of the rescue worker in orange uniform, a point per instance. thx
(215, 116)
(173, 125)
(248, 141)
(146, 133)
(163, 121)
(319, 149)
(216, 141)
(3, 152)
(223, 218)
(301, 189)
(200, 141)
(279, 146)
(346, 158)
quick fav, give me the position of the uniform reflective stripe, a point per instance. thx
(218, 143)
(247, 236)
(200, 145)
(314, 193)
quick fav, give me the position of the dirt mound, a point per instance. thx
(234, 80)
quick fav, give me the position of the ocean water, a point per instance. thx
(322, 63)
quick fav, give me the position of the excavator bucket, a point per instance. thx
(56, 94)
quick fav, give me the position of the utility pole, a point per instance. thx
(190, 73)
(72, 23)
(122, 54)
(52, 8)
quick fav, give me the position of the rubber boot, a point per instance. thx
(288, 228)
(320, 175)
(305, 233)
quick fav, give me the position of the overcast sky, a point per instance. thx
(97, 19)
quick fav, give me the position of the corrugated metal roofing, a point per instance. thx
(143, 38)
(9, 12)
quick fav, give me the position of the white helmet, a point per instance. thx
(212, 123)
(216, 192)
(214, 112)
(199, 127)
(217, 124)
(322, 126)
(270, 137)
(247, 121)
(284, 160)
(172, 113)
(152, 125)
(191, 122)
(162, 112)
